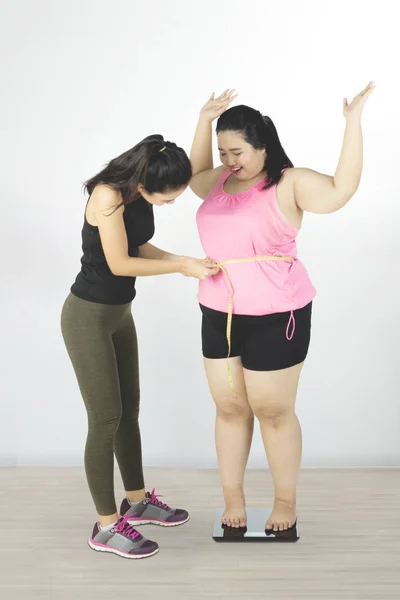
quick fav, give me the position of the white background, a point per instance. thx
(84, 80)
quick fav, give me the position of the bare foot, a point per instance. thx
(282, 517)
(235, 511)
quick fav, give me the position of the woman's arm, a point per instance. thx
(115, 244)
(318, 193)
(204, 175)
(154, 253)
(201, 152)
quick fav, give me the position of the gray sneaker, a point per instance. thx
(151, 510)
(123, 540)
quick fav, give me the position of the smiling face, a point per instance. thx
(241, 158)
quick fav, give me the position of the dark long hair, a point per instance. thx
(260, 132)
(158, 165)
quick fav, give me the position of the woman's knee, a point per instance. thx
(229, 410)
(273, 414)
(107, 422)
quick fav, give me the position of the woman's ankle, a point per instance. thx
(136, 495)
(286, 498)
(233, 495)
(107, 520)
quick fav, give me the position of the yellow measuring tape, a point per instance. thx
(221, 265)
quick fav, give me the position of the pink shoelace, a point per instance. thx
(124, 527)
(153, 499)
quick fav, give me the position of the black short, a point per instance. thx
(261, 341)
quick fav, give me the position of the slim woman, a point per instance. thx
(100, 336)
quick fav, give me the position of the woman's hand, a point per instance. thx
(214, 107)
(200, 269)
(356, 106)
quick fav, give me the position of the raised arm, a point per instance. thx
(318, 193)
(204, 175)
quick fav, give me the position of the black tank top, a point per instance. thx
(95, 281)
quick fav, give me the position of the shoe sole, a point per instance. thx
(138, 522)
(97, 548)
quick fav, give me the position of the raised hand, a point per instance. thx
(356, 106)
(214, 107)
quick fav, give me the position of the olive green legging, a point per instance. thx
(102, 345)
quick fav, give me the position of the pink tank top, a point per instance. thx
(249, 224)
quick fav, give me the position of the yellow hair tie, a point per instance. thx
(162, 149)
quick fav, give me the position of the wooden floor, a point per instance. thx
(349, 547)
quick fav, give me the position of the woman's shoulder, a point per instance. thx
(105, 198)
(102, 202)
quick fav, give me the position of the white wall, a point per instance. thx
(84, 80)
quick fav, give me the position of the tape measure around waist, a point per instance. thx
(222, 265)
